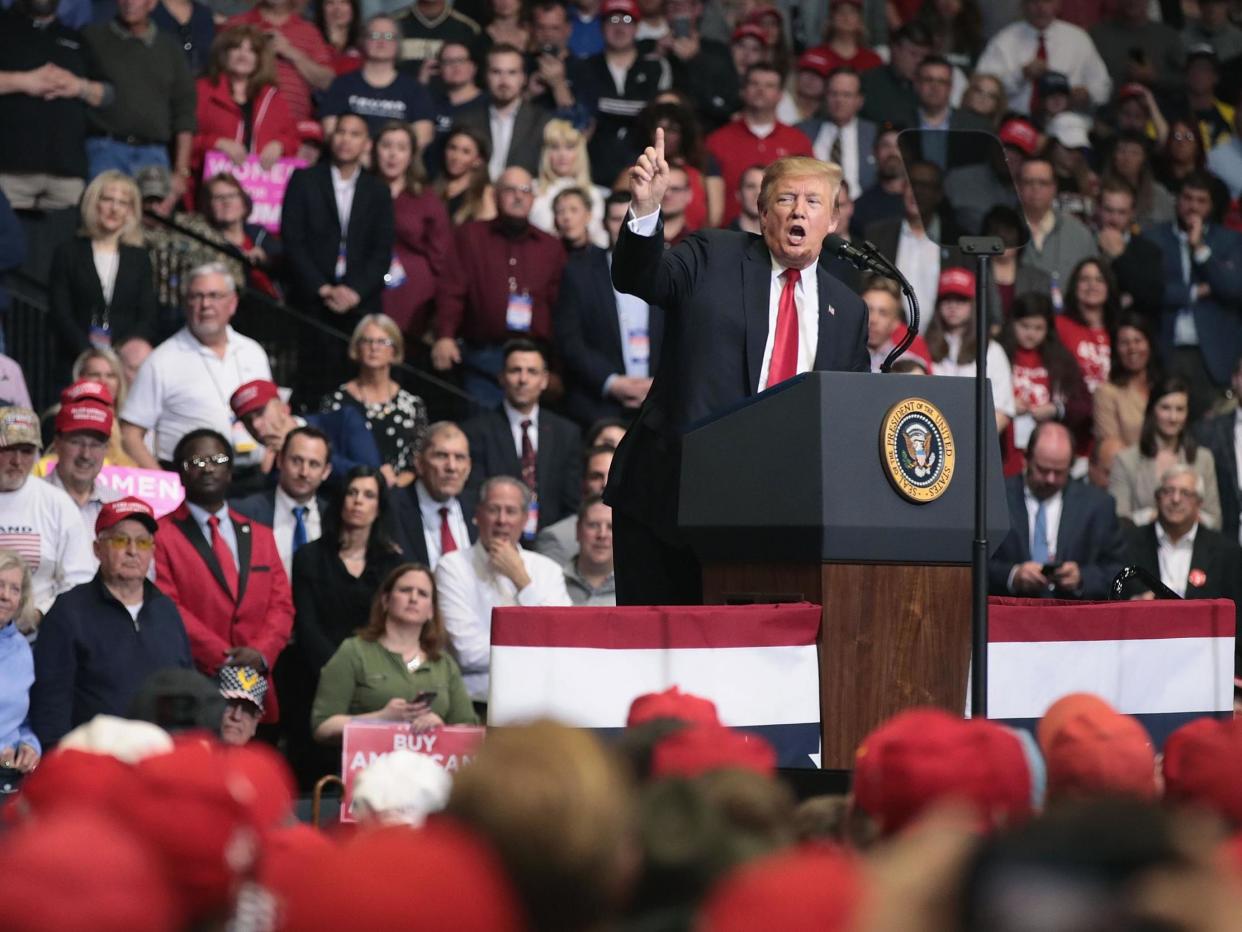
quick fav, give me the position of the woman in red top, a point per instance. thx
(423, 262)
(1092, 306)
(1047, 385)
(845, 40)
(240, 112)
(340, 24)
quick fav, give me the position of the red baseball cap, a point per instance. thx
(253, 396)
(1091, 749)
(816, 61)
(956, 281)
(625, 7)
(69, 777)
(1021, 134)
(84, 415)
(672, 703)
(1201, 766)
(766, 11)
(1133, 89)
(87, 390)
(123, 509)
(749, 31)
(700, 749)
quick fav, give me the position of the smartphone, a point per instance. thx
(549, 50)
(681, 27)
(1048, 569)
(428, 696)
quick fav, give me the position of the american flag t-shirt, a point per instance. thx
(25, 541)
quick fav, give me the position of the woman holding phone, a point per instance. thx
(397, 668)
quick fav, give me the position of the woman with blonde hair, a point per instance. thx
(565, 164)
(101, 365)
(396, 418)
(100, 288)
(463, 185)
(19, 748)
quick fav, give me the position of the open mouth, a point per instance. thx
(797, 234)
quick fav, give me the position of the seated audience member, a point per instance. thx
(221, 569)
(493, 572)
(226, 207)
(396, 418)
(100, 286)
(564, 164)
(1219, 435)
(1134, 259)
(187, 381)
(588, 574)
(1064, 540)
(747, 196)
(1192, 560)
(295, 507)
(37, 520)
(268, 419)
(240, 111)
(1165, 440)
(1120, 403)
(103, 638)
(337, 224)
(82, 432)
(99, 375)
(20, 749)
(1058, 242)
(397, 668)
(886, 321)
(432, 512)
(559, 541)
(423, 258)
(1199, 333)
(523, 439)
(1092, 306)
(1010, 279)
(951, 341)
(464, 184)
(610, 342)
(243, 690)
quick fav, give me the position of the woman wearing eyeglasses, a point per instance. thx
(19, 748)
(397, 418)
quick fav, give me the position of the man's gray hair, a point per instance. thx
(506, 480)
(213, 268)
(1183, 469)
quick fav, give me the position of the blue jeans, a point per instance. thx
(103, 153)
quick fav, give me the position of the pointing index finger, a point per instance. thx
(659, 145)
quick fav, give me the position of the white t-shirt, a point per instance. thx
(1000, 374)
(184, 385)
(42, 523)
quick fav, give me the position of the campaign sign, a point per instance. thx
(451, 747)
(160, 489)
(265, 187)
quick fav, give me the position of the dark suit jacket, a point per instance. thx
(75, 296)
(1217, 435)
(408, 522)
(714, 288)
(261, 506)
(527, 143)
(588, 335)
(1088, 535)
(886, 236)
(352, 441)
(1140, 274)
(558, 459)
(1218, 319)
(866, 149)
(311, 231)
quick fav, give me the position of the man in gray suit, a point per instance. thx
(512, 125)
(843, 138)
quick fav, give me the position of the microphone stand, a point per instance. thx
(867, 258)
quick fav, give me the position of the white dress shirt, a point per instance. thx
(283, 523)
(1070, 51)
(101, 494)
(1174, 558)
(501, 125)
(516, 418)
(468, 589)
(918, 257)
(343, 191)
(201, 517)
(430, 510)
(822, 147)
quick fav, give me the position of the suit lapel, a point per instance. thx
(546, 454)
(827, 321)
(1224, 427)
(241, 529)
(502, 435)
(608, 298)
(1017, 511)
(756, 291)
(1068, 532)
(189, 527)
(329, 194)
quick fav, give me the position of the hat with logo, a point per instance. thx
(749, 31)
(154, 182)
(19, 426)
(955, 281)
(87, 390)
(130, 507)
(84, 415)
(243, 683)
(1021, 134)
(1053, 82)
(252, 396)
(816, 61)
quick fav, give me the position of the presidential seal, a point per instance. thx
(917, 449)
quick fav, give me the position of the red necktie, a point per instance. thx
(224, 556)
(1041, 54)
(528, 457)
(447, 544)
(784, 364)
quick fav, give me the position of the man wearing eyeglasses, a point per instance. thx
(82, 432)
(102, 639)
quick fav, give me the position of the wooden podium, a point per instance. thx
(787, 498)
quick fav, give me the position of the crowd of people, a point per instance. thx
(455, 177)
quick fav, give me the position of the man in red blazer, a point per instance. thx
(222, 570)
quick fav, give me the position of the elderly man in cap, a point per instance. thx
(102, 639)
(269, 419)
(82, 433)
(243, 689)
(37, 520)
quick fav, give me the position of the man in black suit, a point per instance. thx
(522, 121)
(1064, 541)
(337, 224)
(610, 342)
(432, 513)
(742, 314)
(523, 440)
(1222, 435)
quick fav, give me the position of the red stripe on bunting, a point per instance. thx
(1032, 620)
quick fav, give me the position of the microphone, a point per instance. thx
(864, 258)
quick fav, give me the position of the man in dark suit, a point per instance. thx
(1221, 435)
(933, 80)
(1064, 541)
(337, 224)
(1193, 561)
(843, 138)
(435, 514)
(1134, 259)
(524, 440)
(610, 342)
(1200, 336)
(721, 292)
(522, 120)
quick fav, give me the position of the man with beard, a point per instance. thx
(884, 200)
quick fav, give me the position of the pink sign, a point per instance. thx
(160, 489)
(265, 187)
(451, 747)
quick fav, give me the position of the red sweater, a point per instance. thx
(423, 247)
(220, 117)
(736, 149)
